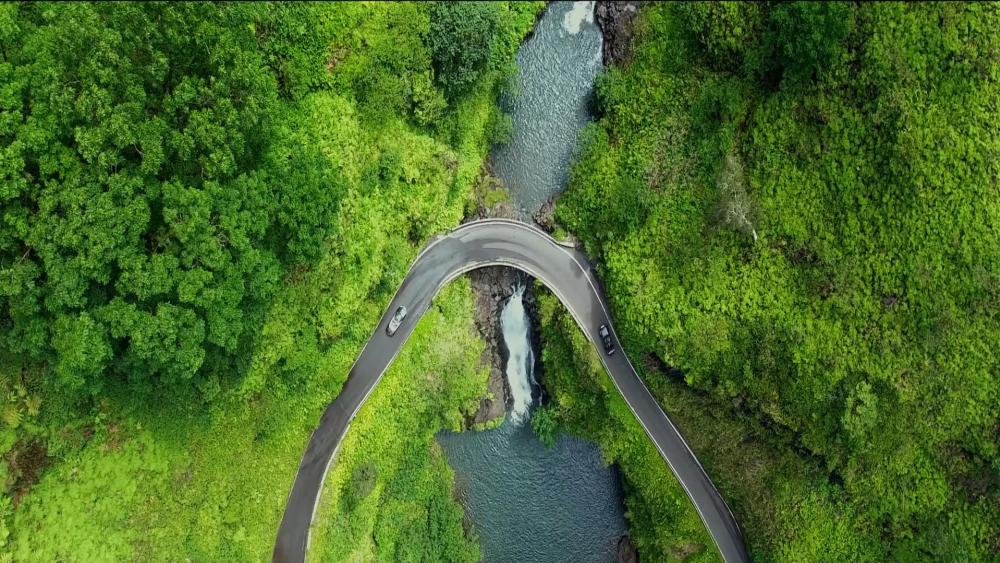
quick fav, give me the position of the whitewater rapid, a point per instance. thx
(515, 327)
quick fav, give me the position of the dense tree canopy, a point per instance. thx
(151, 200)
(462, 40)
(220, 199)
(811, 233)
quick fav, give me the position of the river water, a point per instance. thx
(557, 66)
(529, 503)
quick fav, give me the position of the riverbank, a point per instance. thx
(525, 501)
(617, 22)
(838, 377)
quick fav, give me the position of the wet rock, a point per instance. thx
(545, 216)
(626, 550)
(491, 288)
(616, 22)
(490, 197)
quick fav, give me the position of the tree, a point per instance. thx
(724, 29)
(462, 39)
(545, 425)
(151, 195)
(810, 35)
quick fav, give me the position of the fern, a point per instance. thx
(33, 404)
(11, 415)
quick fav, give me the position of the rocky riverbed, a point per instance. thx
(492, 287)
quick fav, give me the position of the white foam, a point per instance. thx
(520, 359)
(581, 12)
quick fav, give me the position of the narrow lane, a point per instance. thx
(568, 274)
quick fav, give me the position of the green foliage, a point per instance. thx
(662, 521)
(724, 29)
(77, 493)
(81, 349)
(853, 307)
(151, 197)
(362, 482)
(810, 35)
(382, 57)
(261, 251)
(545, 425)
(388, 498)
(462, 41)
(499, 128)
(428, 102)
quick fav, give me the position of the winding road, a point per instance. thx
(568, 274)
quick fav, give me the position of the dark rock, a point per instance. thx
(626, 550)
(616, 22)
(491, 287)
(545, 216)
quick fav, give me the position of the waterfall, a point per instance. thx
(575, 18)
(530, 503)
(520, 359)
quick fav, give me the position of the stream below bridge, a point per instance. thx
(526, 502)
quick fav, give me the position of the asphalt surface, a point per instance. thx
(568, 274)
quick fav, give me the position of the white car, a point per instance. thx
(397, 319)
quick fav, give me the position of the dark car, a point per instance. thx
(606, 339)
(396, 320)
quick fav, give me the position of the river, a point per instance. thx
(529, 503)
(557, 66)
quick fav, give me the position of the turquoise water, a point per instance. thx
(555, 85)
(528, 503)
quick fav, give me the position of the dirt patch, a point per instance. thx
(25, 462)
(684, 551)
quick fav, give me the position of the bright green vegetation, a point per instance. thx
(584, 401)
(205, 209)
(389, 496)
(153, 191)
(796, 205)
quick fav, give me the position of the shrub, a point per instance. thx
(810, 35)
(724, 29)
(545, 425)
(462, 38)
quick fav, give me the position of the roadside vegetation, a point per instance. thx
(796, 205)
(389, 497)
(205, 209)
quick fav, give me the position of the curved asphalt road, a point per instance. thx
(567, 273)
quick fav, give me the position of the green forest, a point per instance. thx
(795, 206)
(194, 246)
(206, 207)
